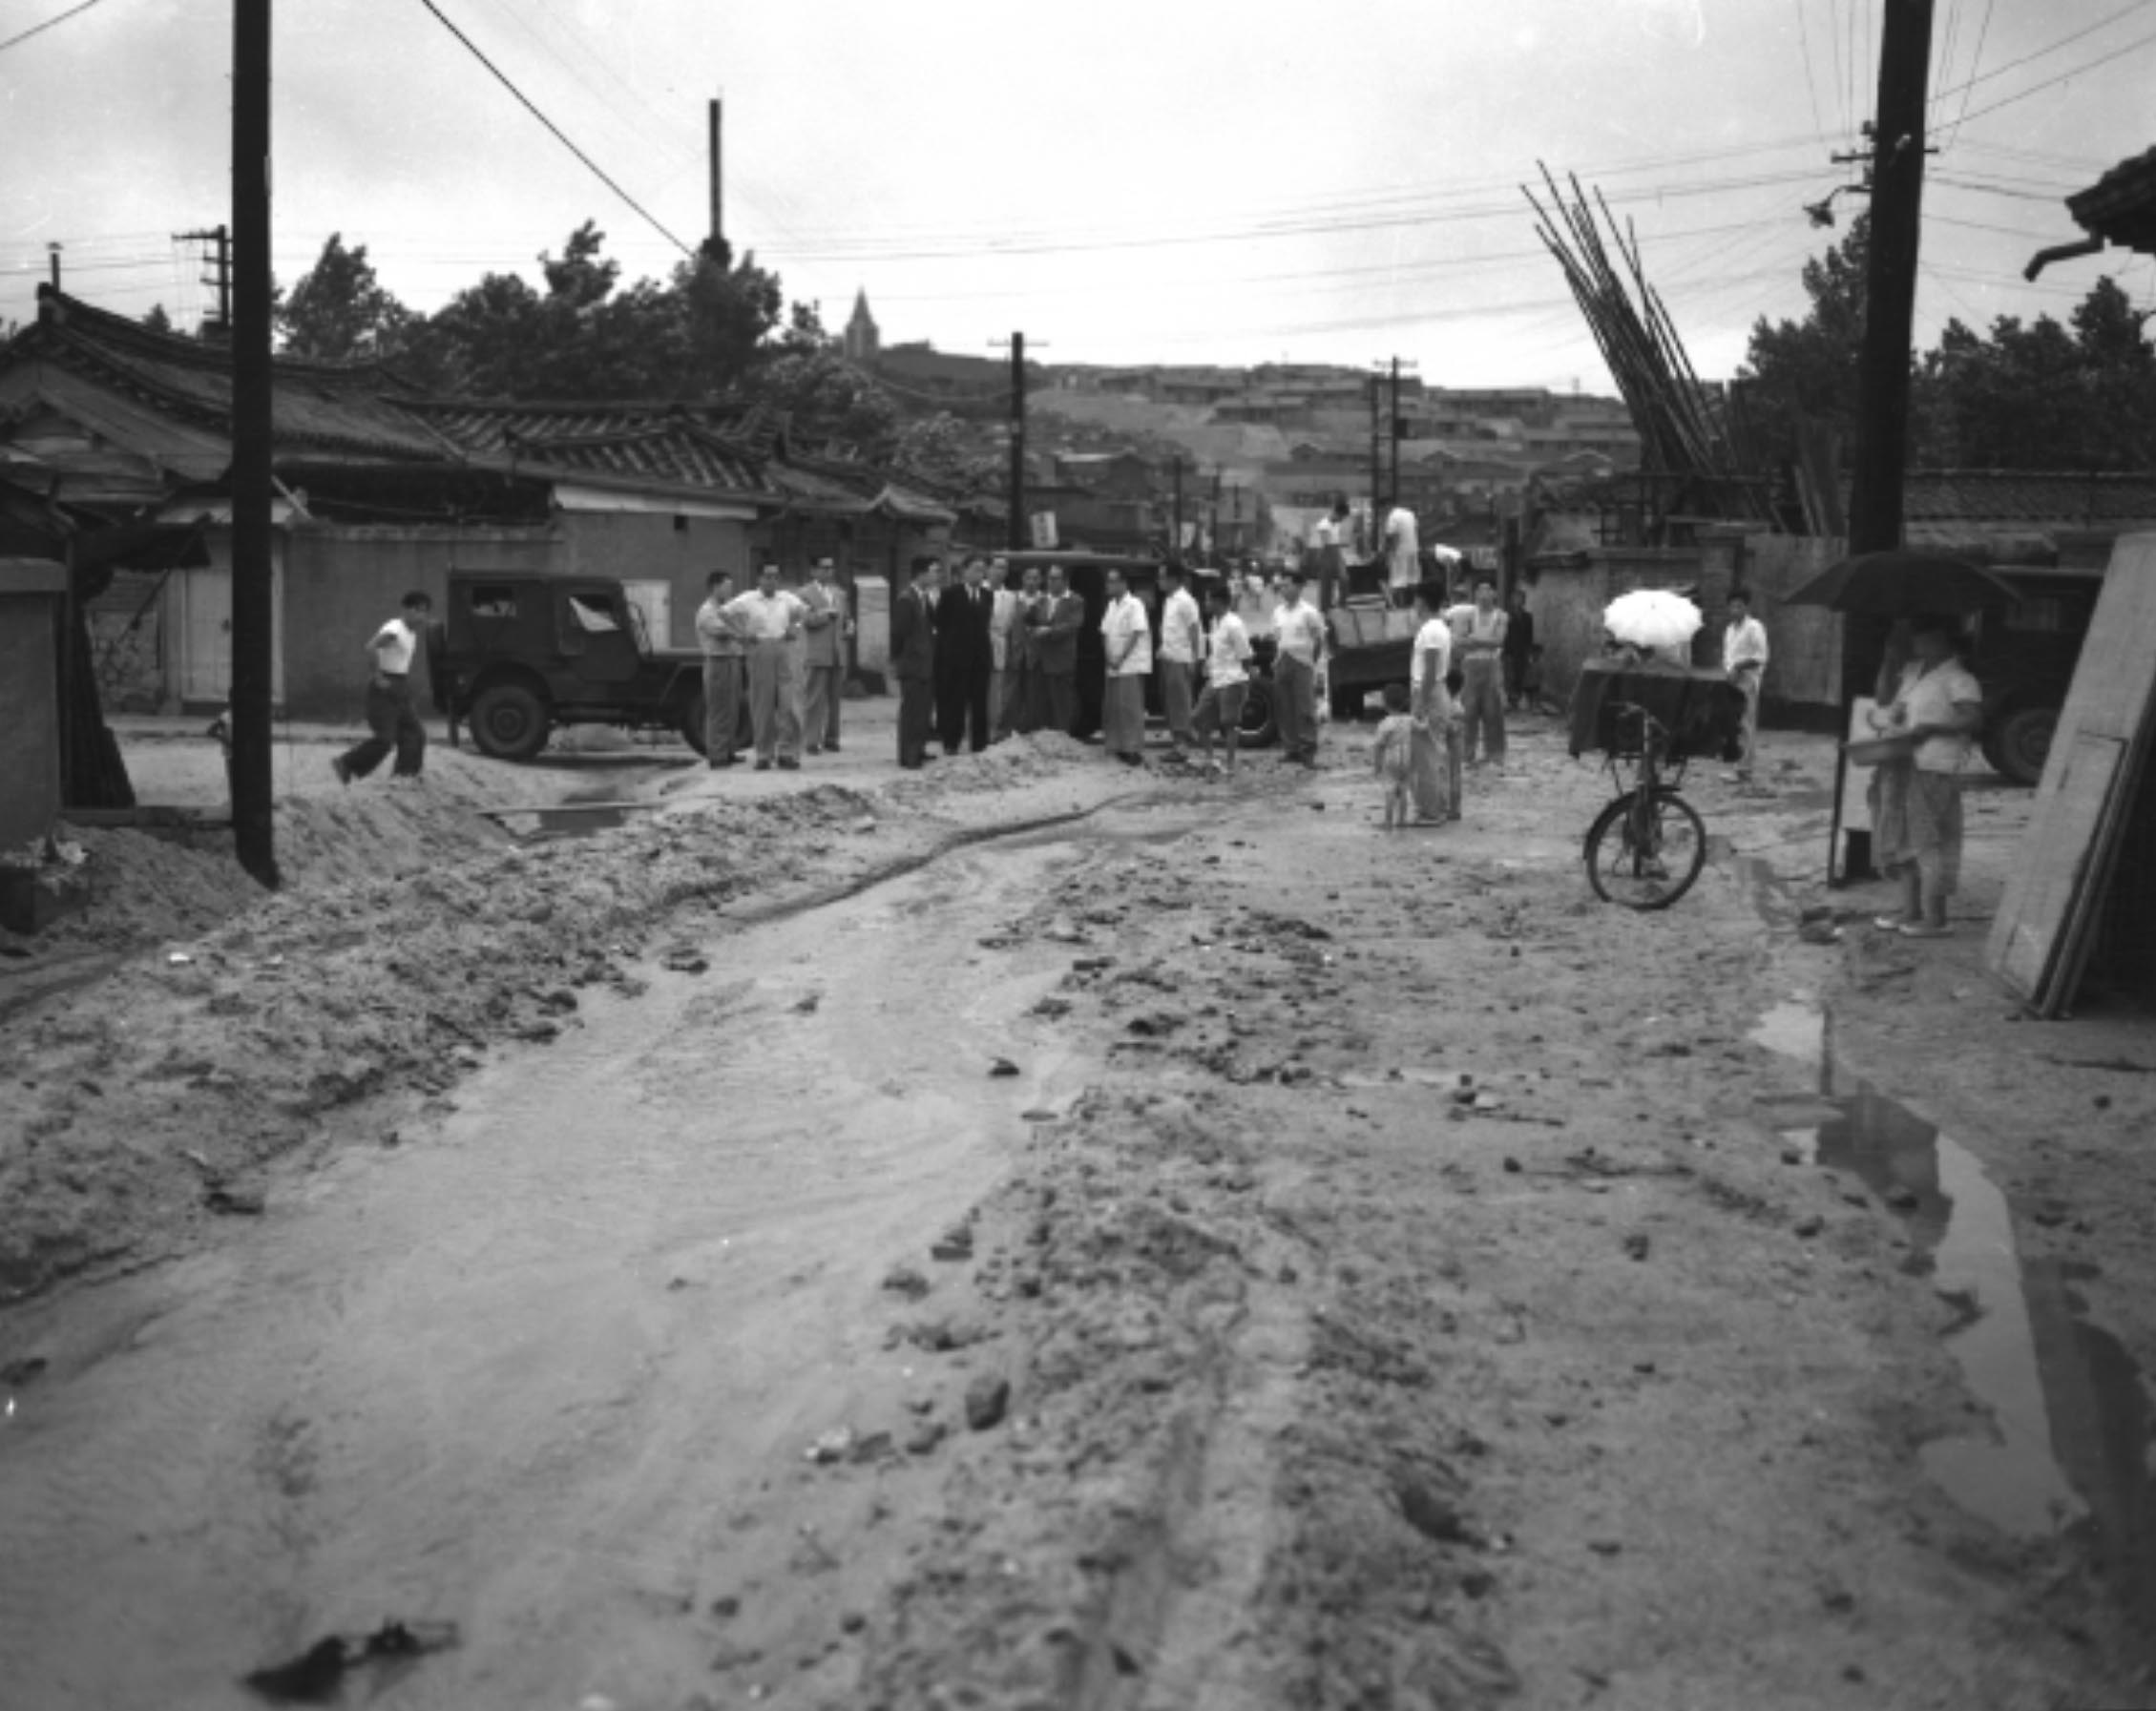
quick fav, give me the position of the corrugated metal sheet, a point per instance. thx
(2121, 206)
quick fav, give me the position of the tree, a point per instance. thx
(825, 399)
(1806, 370)
(2037, 396)
(156, 320)
(338, 311)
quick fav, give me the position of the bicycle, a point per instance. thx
(1646, 847)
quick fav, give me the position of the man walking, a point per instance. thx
(1056, 623)
(824, 632)
(724, 649)
(1299, 630)
(1482, 697)
(963, 659)
(772, 618)
(1126, 637)
(1228, 680)
(1743, 657)
(1182, 644)
(912, 661)
(391, 721)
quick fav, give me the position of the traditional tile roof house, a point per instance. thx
(383, 488)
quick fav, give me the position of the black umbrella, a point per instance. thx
(1904, 583)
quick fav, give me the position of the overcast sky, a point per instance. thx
(1124, 181)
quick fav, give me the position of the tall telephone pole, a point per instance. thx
(1377, 467)
(1889, 279)
(221, 238)
(1018, 534)
(1175, 547)
(1883, 373)
(718, 198)
(253, 634)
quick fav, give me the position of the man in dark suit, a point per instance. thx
(965, 659)
(1055, 622)
(913, 659)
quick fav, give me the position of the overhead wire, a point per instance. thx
(561, 136)
(1983, 35)
(1810, 78)
(72, 12)
(2050, 47)
(2082, 69)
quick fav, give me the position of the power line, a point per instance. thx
(1984, 33)
(1811, 82)
(2110, 58)
(2064, 41)
(41, 28)
(562, 136)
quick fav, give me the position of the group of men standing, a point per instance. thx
(789, 648)
(976, 660)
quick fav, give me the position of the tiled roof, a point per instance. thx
(677, 445)
(2026, 496)
(2121, 206)
(315, 406)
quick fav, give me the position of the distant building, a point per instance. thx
(862, 341)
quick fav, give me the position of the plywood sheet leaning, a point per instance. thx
(2053, 894)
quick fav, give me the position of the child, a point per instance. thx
(1390, 757)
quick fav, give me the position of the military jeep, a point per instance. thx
(518, 655)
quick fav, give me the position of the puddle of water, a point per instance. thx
(2072, 1416)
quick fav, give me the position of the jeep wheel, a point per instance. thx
(508, 721)
(2024, 741)
(1257, 726)
(692, 723)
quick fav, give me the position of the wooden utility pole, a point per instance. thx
(220, 239)
(1392, 434)
(1889, 280)
(1175, 548)
(52, 257)
(718, 199)
(1017, 535)
(253, 635)
(1882, 375)
(1376, 469)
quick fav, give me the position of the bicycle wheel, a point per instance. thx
(1645, 850)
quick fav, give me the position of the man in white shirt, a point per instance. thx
(1744, 659)
(1328, 540)
(1182, 642)
(825, 630)
(1299, 629)
(1128, 639)
(1403, 561)
(1228, 679)
(771, 618)
(1483, 693)
(723, 650)
(391, 721)
(1002, 620)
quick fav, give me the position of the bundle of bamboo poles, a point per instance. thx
(1682, 429)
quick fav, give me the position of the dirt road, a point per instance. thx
(1388, 1279)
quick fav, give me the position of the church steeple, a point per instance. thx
(861, 340)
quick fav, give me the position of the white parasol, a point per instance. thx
(1653, 617)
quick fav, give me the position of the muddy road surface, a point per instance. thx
(1210, 1254)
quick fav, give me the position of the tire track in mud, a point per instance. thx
(215, 1467)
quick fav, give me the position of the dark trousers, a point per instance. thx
(1296, 706)
(914, 699)
(961, 707)
(1059, 697)
(395, 726)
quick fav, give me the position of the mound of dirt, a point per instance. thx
(201, 1063)
(1010, 764)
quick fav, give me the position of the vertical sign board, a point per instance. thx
(2095, 753)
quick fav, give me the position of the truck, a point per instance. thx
(518, 655)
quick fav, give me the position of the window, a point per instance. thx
(493, 602)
